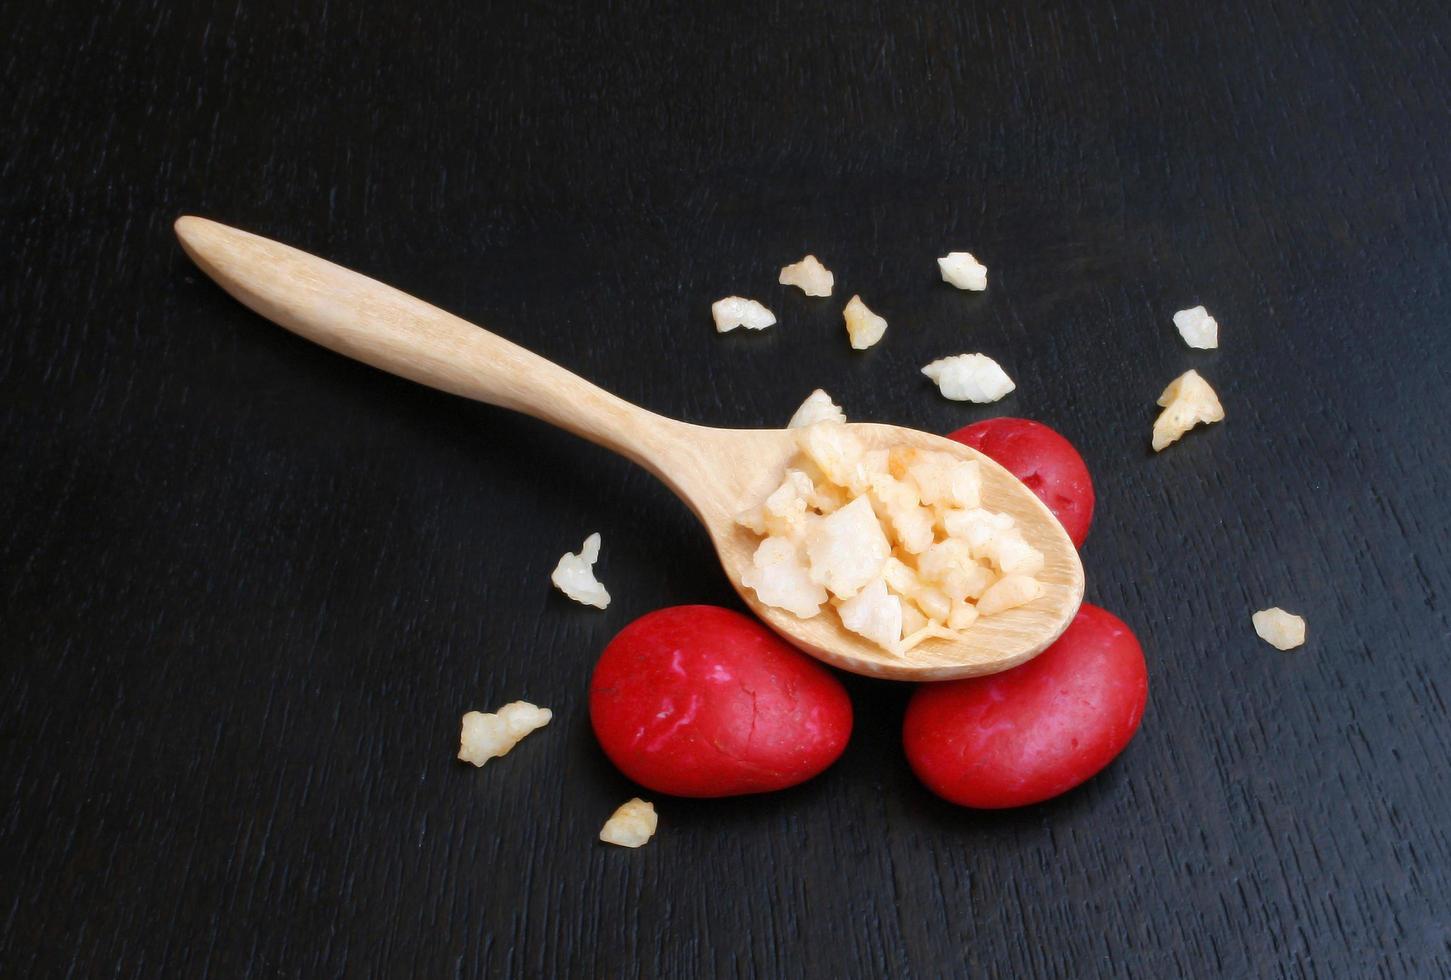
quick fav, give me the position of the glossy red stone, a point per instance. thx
(1035, 731)
(702, 701)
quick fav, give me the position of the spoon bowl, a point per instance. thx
(991, 644)
(717, 472)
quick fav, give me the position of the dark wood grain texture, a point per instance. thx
(247, 587)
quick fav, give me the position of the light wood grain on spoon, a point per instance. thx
(717, 472)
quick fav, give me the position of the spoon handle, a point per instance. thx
(379, 325)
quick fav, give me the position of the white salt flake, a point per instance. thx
(863, 327)
(1281, 630)
(818, 407)
(963, 271)
(835, 451)
(942, 478)
(631, 825)
(976, 527)
(1008, 592)
(932, 630)
(897, 503)
(808, 275)
(489, 736)
(847, 549)
(1187, 402)
(957, 573)
(575, 577)
(737, 311)
(963, 616)
(970, 378)
(1198, 328)
(874, 614)
(780, 578)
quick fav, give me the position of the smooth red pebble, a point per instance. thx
(702, 701)
(1046, 462)
(1035, 731)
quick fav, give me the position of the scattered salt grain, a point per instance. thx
(970, 378)
(1187, 402)
(737, 311)
(1198, 328)
(631, 825)
(1281, 630)
(963, 271)
(863, 327)
(575, 576)
(489, 736)
(810, 276)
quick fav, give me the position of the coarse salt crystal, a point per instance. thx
(963, 271)
(1281, 630)
(737, 311)
(575, 577)
(818, 407)
(1198, 328)
(631, 825)
(1008, 592)
(874, 614)
(489, 736)
(1187, 402)
(847, 549)
(780, 578)
(808, 275)
(970, 377)
(863, 327)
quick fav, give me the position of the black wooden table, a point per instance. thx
(248, 587)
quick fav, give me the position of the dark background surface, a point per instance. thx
(248, 587)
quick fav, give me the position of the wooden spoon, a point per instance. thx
(717, 472)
